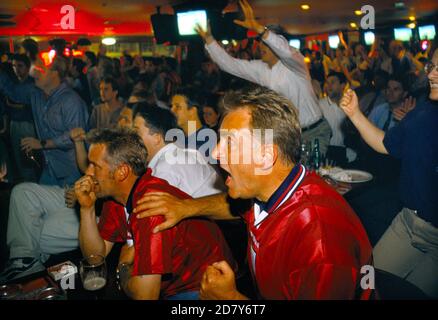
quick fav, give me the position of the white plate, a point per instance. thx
(352, 176)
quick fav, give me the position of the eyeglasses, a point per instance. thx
(429, 67)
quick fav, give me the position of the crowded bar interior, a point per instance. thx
(218, 150)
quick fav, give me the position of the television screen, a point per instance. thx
(296, 43)
(402, 34)
(188, 20)
(369, 38)
(333, 41)
(427, 32)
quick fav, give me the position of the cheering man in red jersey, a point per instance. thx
(169, 264)
(305, 242)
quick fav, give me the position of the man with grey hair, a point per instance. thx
(305, 242)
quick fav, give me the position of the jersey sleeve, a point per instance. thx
(112, 222)
(153, 251)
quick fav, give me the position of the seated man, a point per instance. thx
(335, 86)
(305, 242)
(169, 264)
(105, 115)
(188, 112)
(185, 169)
(40, 223)
(383, 115)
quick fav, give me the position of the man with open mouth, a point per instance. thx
(305, 242)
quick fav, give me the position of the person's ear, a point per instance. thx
(266, 158)
(158, 138)
(122, 172)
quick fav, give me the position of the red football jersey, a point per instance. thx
(308, 244)
(180, 254)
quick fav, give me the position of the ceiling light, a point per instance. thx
(225, 42)
(358, 12)
(412, 18)
(109, 41)
(412, 25)
(353, 25)
(305, 7)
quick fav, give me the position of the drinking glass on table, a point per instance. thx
(93, 272)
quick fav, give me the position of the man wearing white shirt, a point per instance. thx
(336, 83)
(185, 169)
(329, 105)
(281, 69)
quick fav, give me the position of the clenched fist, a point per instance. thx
(350, 104)
(77, 134)
(85, 192)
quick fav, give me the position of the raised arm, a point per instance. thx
(253, 71)
(372, 135)
(78, 137)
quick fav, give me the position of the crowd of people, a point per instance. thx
(164, 151)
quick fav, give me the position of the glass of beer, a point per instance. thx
(93, 272)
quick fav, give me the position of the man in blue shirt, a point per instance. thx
(22, 124)
(382, 115)
(56, 109)
(40, 223)
(409, 248)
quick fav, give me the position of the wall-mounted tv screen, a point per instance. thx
(402, 34)
(296, 43)
(188, 20)
(427, 32)
(333, 41)
(369, 38)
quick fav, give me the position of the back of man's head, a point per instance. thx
(31, 48)
(123, 146)
(60, 65)
(92, 57)
(157, 119)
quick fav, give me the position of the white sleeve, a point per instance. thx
(255, 70)
(289, 56)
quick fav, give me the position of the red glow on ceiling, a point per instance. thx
(45, 19)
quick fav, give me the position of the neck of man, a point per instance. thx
(271, 182)
(52, 87)
(153, 150)
(336, 98)
(113, 104)
(124, 189)
(271, 63)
